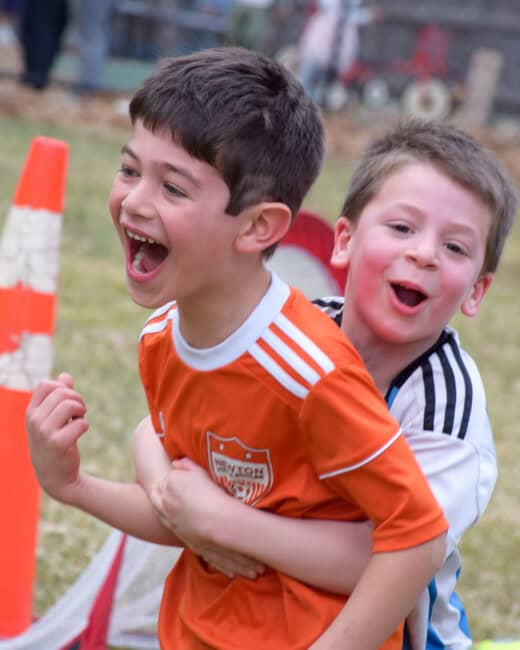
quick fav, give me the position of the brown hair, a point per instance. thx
(454, 153)
(242, 113)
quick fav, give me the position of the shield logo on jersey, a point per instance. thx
(245, 473)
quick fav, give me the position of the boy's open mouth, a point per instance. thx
(407, 296)
(145, 253)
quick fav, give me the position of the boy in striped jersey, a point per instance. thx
(242, 373)
(425, 221)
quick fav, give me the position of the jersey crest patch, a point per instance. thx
(245, 473)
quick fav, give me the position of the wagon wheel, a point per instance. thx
(376, 93)
(337, 97)
(427, 99)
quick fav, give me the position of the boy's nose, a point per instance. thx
(138, 203)
(424, 253)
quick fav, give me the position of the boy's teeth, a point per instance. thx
(136, 262)
(134, 235)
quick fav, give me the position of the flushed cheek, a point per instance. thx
(374, 251)
(370, 271)
(361, 255)
(454, 286)
(367, 290)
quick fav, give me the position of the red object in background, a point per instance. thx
(429, 58)
(316, 236)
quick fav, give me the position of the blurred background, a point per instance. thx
(430, 57)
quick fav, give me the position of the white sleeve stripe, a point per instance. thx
(468, 396)
(277, 372)
(158, 326)
(447, 389)
(295, 361)
(351, 468)
(317, 355)
(161, 310)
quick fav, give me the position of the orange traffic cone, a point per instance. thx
(29, 263)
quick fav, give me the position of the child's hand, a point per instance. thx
(55, 419)
(184, 502)
(230, 563)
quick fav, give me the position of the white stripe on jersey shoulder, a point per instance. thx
(278, 372)
(157, 326)
(351, 468)
(294, 360)
(303, 341)
(290, 356)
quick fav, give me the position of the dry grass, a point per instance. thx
(96, 341)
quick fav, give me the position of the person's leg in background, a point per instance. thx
(41, 33)
(91, 26)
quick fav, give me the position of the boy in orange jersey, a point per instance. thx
(426, 218)
(242, 373)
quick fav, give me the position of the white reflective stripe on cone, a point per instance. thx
(29, 249)
(29, 364)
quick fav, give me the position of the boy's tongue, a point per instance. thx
(149, 257)
(409, 297)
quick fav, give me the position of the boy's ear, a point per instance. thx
(471, 303)
(342, 236)
(264, 224)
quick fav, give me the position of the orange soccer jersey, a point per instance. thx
(284, 417)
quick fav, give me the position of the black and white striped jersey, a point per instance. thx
(439, 400)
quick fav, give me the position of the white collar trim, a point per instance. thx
(241, 340)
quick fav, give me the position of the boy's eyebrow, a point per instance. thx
(414, 210)
(455, 228)
(126, 149)
(182, 171)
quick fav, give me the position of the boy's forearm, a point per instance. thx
(124, 506)
(386, 593)
(251, 532)
(150, 459)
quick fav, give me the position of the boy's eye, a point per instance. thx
(173, 190)
(455, 248)
(401, 227)
(125, 170)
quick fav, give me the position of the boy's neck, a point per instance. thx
(384, 360)
(207, 320)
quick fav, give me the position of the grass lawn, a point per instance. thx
(97, 328)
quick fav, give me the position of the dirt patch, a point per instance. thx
(57, 104)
